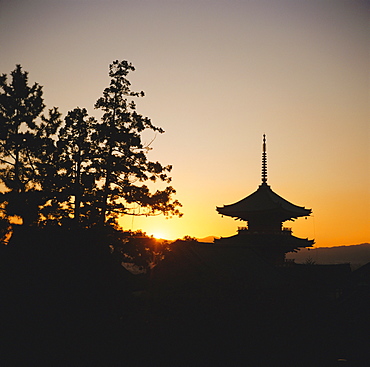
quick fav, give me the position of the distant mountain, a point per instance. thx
(356, 255)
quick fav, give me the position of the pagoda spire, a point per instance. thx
(264, 161)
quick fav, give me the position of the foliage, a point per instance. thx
(138, 249)
(190, 239)
(76, 174)
(5, 229)
(123, 164)
(25, 141)
(80, 172)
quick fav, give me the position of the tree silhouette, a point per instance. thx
(122, 161)
(77, 174)
(80, 172)
(25, 140)
(67, 182)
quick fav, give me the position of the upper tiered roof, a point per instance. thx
(264, 200)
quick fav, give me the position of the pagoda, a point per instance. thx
(265, 212)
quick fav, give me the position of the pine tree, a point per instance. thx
(76, 165)
(25, 135)
(122, 161)
(81, 171)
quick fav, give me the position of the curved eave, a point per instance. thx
(262, 201)
(260, 239)
(278, 213)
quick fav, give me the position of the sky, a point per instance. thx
(217, 75)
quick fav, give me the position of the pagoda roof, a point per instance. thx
(263, 200)
(285, 242)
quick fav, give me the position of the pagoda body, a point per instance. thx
(265, 212)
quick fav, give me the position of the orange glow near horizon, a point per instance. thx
(328, 225)
(158, 235)
(215, 79)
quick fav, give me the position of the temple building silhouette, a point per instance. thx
(265, 212)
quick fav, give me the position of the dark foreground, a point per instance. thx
(72, 305)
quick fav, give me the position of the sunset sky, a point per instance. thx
(218, 75)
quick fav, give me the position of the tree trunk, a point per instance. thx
(77, 210)
(106, 187)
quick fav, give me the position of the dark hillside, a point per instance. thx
(68, 302)
(63, 295)
(356, 255)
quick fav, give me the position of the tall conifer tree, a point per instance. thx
(25, 139)
(76, 164)
(122, 161)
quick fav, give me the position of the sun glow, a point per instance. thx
(158, 235)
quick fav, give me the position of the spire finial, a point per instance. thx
(264, 160)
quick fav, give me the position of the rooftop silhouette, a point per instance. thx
(265, 211)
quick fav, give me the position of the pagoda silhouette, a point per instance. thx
(265, 212)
